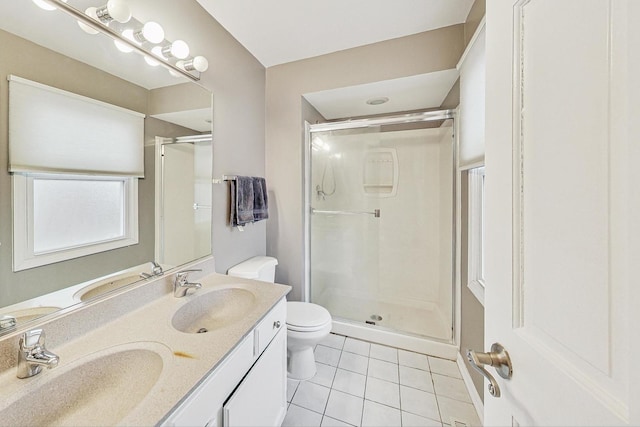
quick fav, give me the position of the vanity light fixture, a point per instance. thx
(114, 10)
(114, 19)
(199, 63)
(124, 48)
(178, 49)
(150, 32)
(152, 62)
(90, 12)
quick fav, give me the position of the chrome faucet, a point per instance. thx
(7, 322)
(156, 270)
(32, 354)
(182, 284)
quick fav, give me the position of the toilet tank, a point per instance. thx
(258, 268)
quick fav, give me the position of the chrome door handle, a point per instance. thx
(499, 359)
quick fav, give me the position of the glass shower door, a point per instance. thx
(381, 227)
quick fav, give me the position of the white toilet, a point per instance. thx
(307, 323)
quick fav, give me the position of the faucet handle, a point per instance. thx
(157, 269)
(7, 322)
(32, 339)
(183, 274)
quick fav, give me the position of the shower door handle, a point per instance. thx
(375, 213)
(499, 359)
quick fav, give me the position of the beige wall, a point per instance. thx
(237, 81)
(402, 57)
(471, 311)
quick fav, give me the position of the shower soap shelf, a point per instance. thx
(380, 172)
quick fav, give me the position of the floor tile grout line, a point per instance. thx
(367, 376)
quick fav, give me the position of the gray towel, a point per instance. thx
(260, 202)
(248, 200)
(241, 201)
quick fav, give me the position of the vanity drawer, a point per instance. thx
(275, 320)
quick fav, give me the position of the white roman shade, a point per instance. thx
(472, 98)
(52, 130)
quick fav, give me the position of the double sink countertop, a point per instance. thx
(137, 367)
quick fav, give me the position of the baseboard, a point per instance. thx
(475, 397)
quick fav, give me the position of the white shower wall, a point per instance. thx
(398, 266)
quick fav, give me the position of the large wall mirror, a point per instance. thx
(174, 196)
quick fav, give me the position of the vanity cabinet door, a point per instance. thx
(204, 406)
(260, 400)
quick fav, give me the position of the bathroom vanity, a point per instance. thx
(141, 356)
(251, 380)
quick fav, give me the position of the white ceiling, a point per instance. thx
(281, 31)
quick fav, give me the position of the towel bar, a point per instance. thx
(224, 178)
(375, 213)
(197, 206)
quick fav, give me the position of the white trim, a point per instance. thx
(457, 329)
(466, 167)
(471, 388)
(24, 256)
(477, 289)
(159, 198)
(475, 234)
(472, 42)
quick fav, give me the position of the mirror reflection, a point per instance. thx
(173, 200)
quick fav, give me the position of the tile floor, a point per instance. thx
(364, 384)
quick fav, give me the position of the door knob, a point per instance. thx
(499, 359)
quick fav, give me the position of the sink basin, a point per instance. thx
(100, 389)
(30, 313)
(213, 310)
(93, 290)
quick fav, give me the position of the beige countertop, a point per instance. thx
(186, 357)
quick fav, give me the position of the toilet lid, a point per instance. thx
(305, 315)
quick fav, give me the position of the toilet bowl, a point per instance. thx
(307, 323)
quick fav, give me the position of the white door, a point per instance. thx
(562, 210)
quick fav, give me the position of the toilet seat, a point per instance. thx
(306, 317)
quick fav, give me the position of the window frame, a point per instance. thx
(475, 220)
(24, 256)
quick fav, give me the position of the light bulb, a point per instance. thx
(91, 13)
(152, 62)
(128, 33)
(114, 10)
(157, 51)
(44, 5)
(151, 32)
(199, 63)
(178, 49)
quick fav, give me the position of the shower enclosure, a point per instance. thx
(380, 198)
(183, 198)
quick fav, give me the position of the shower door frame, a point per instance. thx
(413, 342)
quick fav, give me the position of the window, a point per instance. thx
(57, 217)
(476, 233)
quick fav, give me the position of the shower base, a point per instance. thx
(426, 322)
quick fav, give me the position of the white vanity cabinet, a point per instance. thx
(248, 388)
